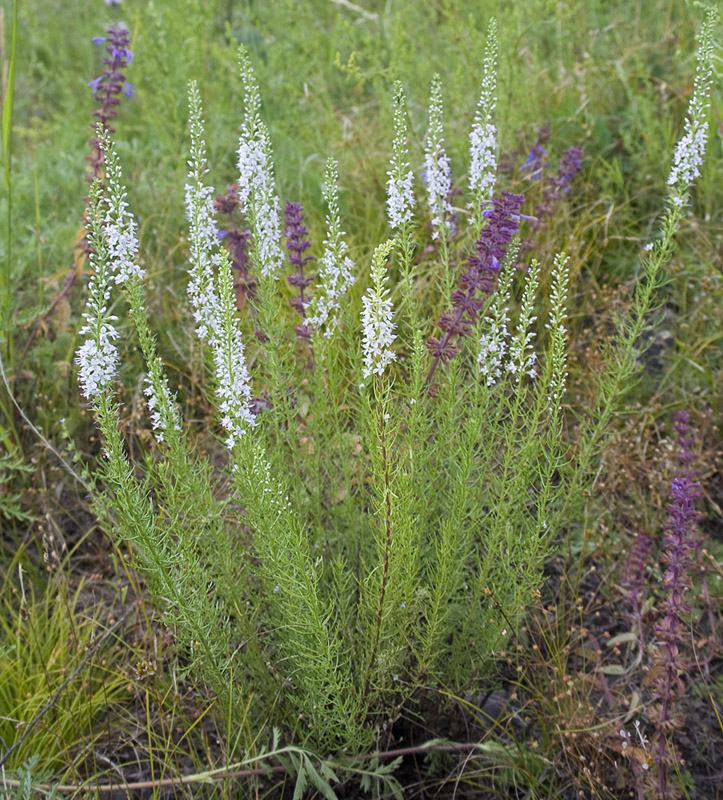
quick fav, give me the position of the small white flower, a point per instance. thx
(335, 277)
(97, 359)
(378, 317)
(164, 415)
(400, 186)
(123, 247)
(483, 136)
(688, 154)
(259, 201)
(690, 149)
(437, 168)
(400, 199)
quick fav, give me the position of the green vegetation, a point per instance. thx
(390, 548)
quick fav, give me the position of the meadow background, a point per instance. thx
(611, 77)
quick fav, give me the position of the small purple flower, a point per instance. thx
(633, 580)
(296, 243)
(555, 189)
(237, 239)
(679, 540)
(535, 161)
(108, 85)
(479, 278)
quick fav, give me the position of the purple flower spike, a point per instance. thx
(535, 161)
(679, 540)
(107, 86)
(237, 241)
(479, 279)
(555, 189)
(296, 243)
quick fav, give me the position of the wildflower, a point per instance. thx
(400, 192)
(522, 357)
(559, 185)
(479, 278)
(437, 168)
(121, 252)
(237, 239)
(483, 136)
(558, 332)
(690, 149)
(296, 245)
(108, 85)
(161, 406)
(535, 162)
(679, 539)
(377, 316)
(213, 301)
(233, 383)
(257, 194)
(555, 189)
(97, 360)
(633, 580)
(335, 277)
(202, 227)
(119, 226)
(97, 357)
(493, 343)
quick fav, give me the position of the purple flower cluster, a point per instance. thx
(237, 240)
(634, 578)
(679, 539)
(556, 187)
(479, 279)
(559, 185)
(109, 85)
(536, 157)
(296, 243)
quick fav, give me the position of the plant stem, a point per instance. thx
(387, 531)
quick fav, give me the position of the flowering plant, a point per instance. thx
(381, 519)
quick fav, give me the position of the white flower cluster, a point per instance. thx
(690, 149)
(688, 155)
(437, 167)
(119, 226)
(259, 201)
(400, 186)
(483, 161)
(377, 316)
(522, 356)
(558, 331)
(233, 382)
(164, 414)
(97, 360)
(97, 357)
(212, 296)
(120, 242)
(201, 292)
(257, 193)
(335, 277)
(483, 136)
(493, 343)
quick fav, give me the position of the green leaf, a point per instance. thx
(301, 782)
(323, 786)
(612, 669)
(23, 317)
